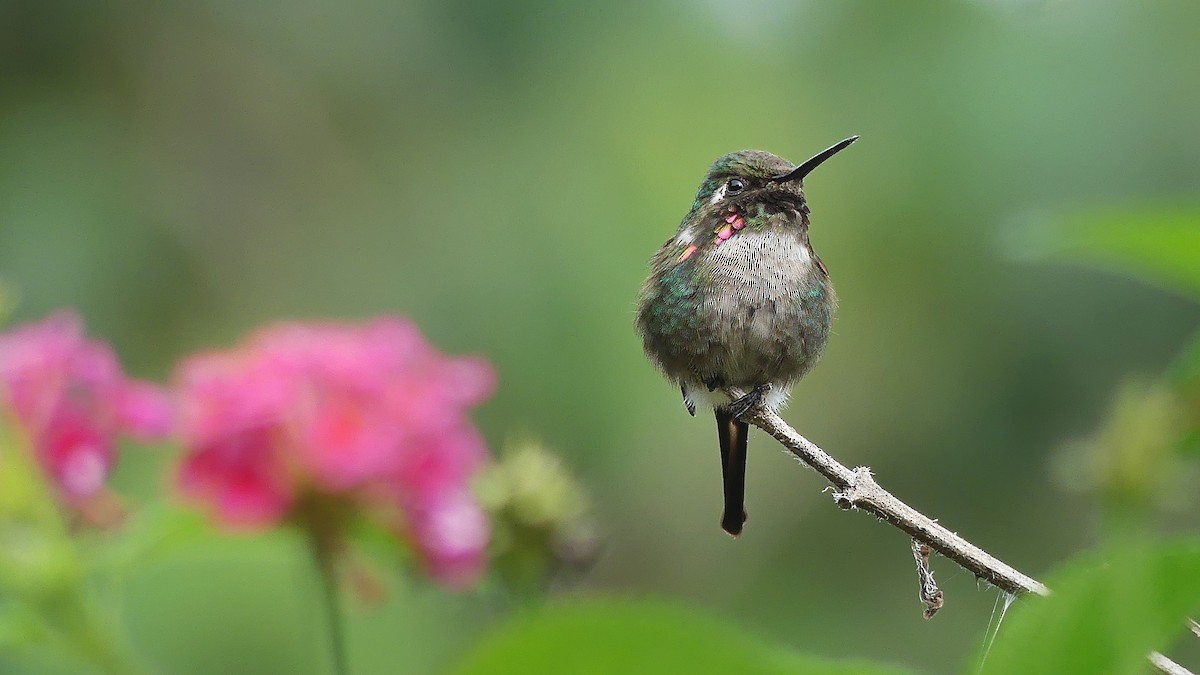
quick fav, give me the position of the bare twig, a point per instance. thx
(857, 489)
(930, 594)
(1166, 665)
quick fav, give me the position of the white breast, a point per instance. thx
(766, 261)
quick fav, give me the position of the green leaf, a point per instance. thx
(620, 636)
(1158, 244)
(1107, 612)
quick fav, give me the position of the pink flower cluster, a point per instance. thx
(73, 400)
(367, 417)
(370, 415)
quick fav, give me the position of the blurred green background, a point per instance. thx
(501, 172)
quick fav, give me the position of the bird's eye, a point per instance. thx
(735, 185)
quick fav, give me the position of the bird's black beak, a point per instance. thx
(806, 168)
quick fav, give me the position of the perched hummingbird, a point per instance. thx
(738, 298)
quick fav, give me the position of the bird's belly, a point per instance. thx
(768, 311)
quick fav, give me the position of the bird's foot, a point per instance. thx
(750, 401)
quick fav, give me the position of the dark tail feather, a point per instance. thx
(733, 434)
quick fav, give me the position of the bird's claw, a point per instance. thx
(749, 401)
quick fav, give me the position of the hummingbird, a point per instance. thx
(739, 298)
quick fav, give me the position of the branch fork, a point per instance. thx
(862, 485)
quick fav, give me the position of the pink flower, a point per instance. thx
(453, 532)
(73, 400)
(368, 416)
